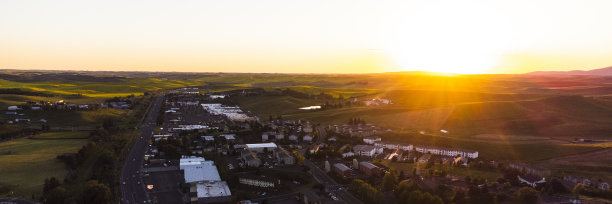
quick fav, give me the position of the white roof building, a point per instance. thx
(201, 172)
(229, 136)
(208, 138)
(307, 138)
(13, 108)
(213, 189)
(191, 161)
(262, 145)
(364, 150)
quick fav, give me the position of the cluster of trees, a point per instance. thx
(365, 192)
(356, 121)
(23, 92)
(95, 185)
(93, 193)
(409, 192)
(8, 131)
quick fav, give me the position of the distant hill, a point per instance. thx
(600, 72)
(557, 116)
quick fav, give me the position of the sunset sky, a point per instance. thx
(334, 36)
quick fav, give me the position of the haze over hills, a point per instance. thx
(607, 71)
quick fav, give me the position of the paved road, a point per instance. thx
(330, 183)
(133, 191)
(15, 201)
(327, 181)
(322, 134)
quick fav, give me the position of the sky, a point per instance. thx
(285, 36)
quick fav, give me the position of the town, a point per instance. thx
(203, 150)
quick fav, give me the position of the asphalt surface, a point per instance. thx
(133, 191)
(15, 201)
(330, 184)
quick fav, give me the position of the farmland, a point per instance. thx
(26, 163)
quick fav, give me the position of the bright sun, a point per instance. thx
(458, 38)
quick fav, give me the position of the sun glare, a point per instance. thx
(459, 38)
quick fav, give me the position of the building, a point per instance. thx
(307, 128)
(208, 138)
(261, 147)
(364, 150)
(229, 137)
(603, 186)
(451, 152)
(531, 180)
(314, 149)
(250, 158)
(368, 168)
(424, 158)
(283, 156)
(11, 113)
(205, 183)
(460, 161)
(259, 181)
(293, 137)
(264, 137)
(210, 192)
(307, 138)
(13, 108)
(279, 136)
(348, 154)
(161, 137)
(343, 170)
(371, 140)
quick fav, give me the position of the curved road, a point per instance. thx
(133, 191)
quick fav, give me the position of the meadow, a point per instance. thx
(26, 163)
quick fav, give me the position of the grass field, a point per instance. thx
(31, 161)
(63, 135)
(67, 119)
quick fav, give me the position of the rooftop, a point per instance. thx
(368, 165)
(363, 148)
(190, 161)
(262, 145)
(213, 189)
(201, 172)
(342, 167)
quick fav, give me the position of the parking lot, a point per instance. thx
(166, 186)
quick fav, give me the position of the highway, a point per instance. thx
(133, 191)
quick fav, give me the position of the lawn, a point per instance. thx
(30, 162)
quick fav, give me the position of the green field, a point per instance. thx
(63, 135)
(67, 119)
(31, 161)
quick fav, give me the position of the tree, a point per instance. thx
(555, 187)
(50, 184)
(96, 193)
(56, 195)
(389, 182)
(401, 176)
(578, 189)
(527, 195)
(299, 158)
(406, 187)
